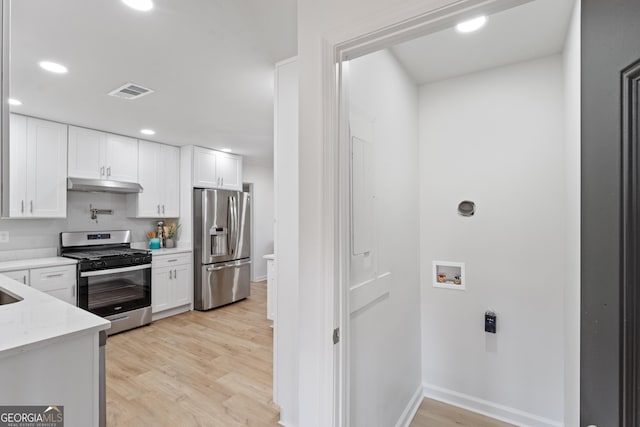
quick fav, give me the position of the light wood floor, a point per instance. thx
(214, 368)
(196, 369)
(437, 414)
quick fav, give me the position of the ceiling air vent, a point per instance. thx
(130, 91)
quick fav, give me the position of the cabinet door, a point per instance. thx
(229, 169)
(86, 153)
(149, 174)
(160, 282)
(21, 276)
(181, 285)
(121, 158)
(171, 180)
(46, 169)
(59, 282)
(204, 168)
(18, 162)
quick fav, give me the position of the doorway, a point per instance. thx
(502, 136)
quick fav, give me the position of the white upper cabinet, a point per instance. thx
(99, 155)
(229, 169)
(159, 175)
(215, 169)
(86, 153)
(171, 178)
(17, 166)
(204, 168)
(121, 158)
(38, 168)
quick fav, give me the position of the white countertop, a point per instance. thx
(172, 251)
(40, 318)
(162, 251)
(24, 264)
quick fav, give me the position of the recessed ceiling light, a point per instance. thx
(148, 131)
(472, 24)
(53, 67)
(143, 5)
(226, 150)
(12, 101)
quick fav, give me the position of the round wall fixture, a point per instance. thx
(466, 208)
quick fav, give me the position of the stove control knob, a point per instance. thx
(137, 260)
(98, 264)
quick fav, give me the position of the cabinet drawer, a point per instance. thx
(53, 278)
(171, 260)
(21, 276)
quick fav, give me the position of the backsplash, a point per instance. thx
(43, 234)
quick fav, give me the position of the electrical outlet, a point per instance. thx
(4, 237)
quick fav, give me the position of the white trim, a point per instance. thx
(260, 278)
(411, 409)
(489, 409)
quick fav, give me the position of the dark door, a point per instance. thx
(610, 231)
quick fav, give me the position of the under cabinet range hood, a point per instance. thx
(102, 185)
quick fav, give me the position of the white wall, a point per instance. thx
(572, 221)
(333, 20)
(496, 138)
(384, 341)
(286, 212)
(45, 233)
(262, 211)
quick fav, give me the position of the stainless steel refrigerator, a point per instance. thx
(222, 247)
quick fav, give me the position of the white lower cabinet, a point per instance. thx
(59, 282)
(21, 276)
(171, 284)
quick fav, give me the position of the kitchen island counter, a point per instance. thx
(40, 318)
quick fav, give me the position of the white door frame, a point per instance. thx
(336, 226)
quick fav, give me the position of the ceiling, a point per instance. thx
(210, 63)
(529, 31)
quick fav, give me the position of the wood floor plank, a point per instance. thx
(209, 368)
(437, 414)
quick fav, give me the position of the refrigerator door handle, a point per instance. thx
(233, 208)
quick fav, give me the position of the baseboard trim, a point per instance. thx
(411, 409)
(489, 409)
(260, 278)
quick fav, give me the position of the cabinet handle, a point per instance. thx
(163, 209)
(24, 279)
(158, 208)
(54, 275)
(109, 171)
(102, 171)
(172, 260)
(175, 274)
(73, 291)
(222, 179)
(170, 272)
(22, 206)
(31, 206)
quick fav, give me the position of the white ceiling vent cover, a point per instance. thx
(131, 91)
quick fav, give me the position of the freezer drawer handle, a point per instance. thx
(228, 266)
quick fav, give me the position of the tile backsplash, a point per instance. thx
(43, 234)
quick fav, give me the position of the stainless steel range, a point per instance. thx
(114, 281)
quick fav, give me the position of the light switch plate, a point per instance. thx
(4, 237)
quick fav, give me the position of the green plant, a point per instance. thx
(172, 229)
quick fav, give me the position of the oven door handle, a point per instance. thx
(114, 270)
